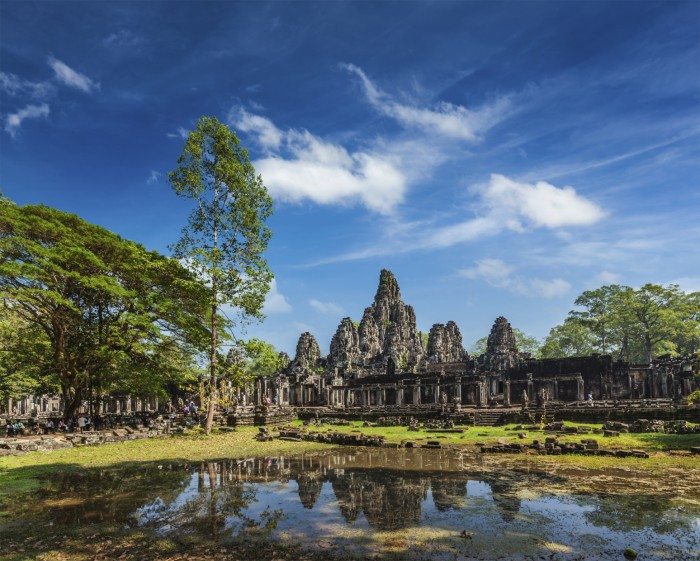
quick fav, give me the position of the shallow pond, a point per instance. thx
(418, 504)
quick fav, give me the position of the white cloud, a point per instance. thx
(499, 274)
(301, 166)
(608, 278)
(181, 132)
(491, 270)
(550, 288)
(276, 302)
(538, 204)
(269, 136)
(153, 177)
(13, 85)
(445, 119)
(325, 307)
(502, 204)
(69, 77)
(13, 121)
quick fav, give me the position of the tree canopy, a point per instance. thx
(102, 313)
(634, 325)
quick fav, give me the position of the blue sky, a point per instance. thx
(500, 158)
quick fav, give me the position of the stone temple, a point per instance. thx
(384, 363)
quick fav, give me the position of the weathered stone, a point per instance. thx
(445, 344)
(345, 345)
(501, 347)
(308, 352)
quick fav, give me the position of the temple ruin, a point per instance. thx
(383, 362)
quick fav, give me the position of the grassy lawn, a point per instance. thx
(473, 435)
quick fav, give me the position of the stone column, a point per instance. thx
(437, 393)
(580, 396)
(458, 389)
(399, 396)
(556, 390)
(506, 393)
(382, 394)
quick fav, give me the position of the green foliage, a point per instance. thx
(424, 337)
(226, 235)
(105, 308)
(572, 338)
(24, 349)
(694, 397)
(638, 324)
(262, 359)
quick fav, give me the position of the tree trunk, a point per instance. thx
(647, 349)
(212, 366)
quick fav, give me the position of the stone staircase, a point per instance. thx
(487, 417)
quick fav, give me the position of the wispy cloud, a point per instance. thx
(123, 38)
(275, 301)
(301, 166)
(325, 307)
(71, 78)
(13, 85)
(608, 277)
(181, 132)
(501, 204)
(501, 275)
(445, 119)
(268, 135)
(153, 177)
(13, 121)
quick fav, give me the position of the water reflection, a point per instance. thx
(352, 498)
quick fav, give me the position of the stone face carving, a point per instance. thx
(501, 347)
(369, 335)
(388, 326)
(445, 344)
(308, 352)
(345, 345)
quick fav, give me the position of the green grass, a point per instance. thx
(472, 435)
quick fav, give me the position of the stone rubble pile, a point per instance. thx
(552, 446)
(46, 443)
(669, 427)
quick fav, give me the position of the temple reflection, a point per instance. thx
(388, 499)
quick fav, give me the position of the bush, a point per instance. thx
(694, 397)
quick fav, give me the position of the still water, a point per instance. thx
(422, 504)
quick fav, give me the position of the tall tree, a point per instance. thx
(226, 234)
(106, 305)
(661, 314)
(572, 338)
(598, 314)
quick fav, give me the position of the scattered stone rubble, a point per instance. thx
(552, 446)
(46, 443)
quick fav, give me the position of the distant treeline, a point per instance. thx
(630, 324)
